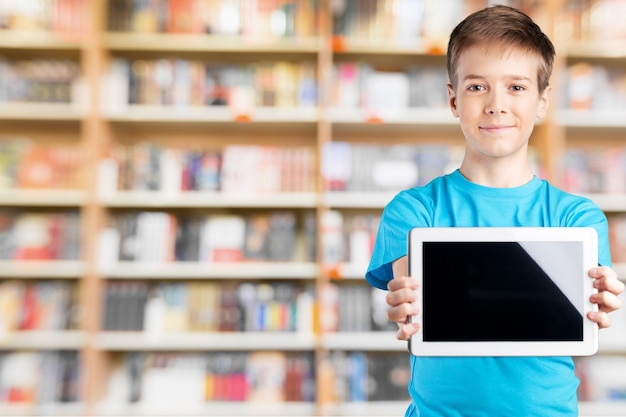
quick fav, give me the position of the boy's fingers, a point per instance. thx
(401, 312)
(614, 286)
(607, 301)
(406, 330)
(400, 296)
(600, 317)
(401, 282)
(606, 280)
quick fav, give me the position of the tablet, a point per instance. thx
(512, 291)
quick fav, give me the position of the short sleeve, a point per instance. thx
(590, 215)
(403, 213)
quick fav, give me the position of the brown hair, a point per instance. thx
(501, 25)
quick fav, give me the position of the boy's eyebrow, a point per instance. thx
(512, 77)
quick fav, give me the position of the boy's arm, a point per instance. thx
(400, 299)
(609, 288)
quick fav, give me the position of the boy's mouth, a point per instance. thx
(495, 128)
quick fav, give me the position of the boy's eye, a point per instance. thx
(476, 87)
(518, 88)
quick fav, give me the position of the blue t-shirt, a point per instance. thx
(485, 386)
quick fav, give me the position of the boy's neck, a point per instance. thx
(497, 175)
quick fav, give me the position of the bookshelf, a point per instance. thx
(102, 120)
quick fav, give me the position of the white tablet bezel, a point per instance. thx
(586, 235)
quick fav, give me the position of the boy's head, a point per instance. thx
(501, 26)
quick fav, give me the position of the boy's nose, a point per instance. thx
(495, 104)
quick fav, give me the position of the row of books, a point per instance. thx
(366, 376)
(43, 378)
(364, 167)
(408, 23)
(594, 170)
(593, 20)
(63, 17)
(249, 169)
(188, 381)
(594, 87)
(208, 306)
(151, 236)
(185, 82)
(25, 164)
(358, 84)
(38, 305)
(254, 20)
(353, 307)
(30, 235)
(348, 238)
(38, 80)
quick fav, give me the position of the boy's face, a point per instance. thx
(497, 101)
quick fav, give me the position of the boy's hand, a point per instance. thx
(400, 299)
(609, 288)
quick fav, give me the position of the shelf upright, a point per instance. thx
(324, 135)
(95, 136)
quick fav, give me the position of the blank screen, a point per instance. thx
(501, 291)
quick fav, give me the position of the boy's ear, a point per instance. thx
(452, 100)
(544, 102)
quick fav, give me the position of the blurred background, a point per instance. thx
(190, 191)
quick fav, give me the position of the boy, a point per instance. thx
(499, 64)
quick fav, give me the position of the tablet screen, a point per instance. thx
(501, 291)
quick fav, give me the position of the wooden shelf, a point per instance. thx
(211, 409)
(43, 340)
(38, 112)
(602, 119)
(609, 202)
(210, 114)
(597, 408)
(196, 270)
(597, 50)
(42, 269)
(349, 199)
(366, 341)
(42, 198)
(367, 408)
(410, 116)
(199, 199)
(204, 341)
(54, 409)
(163, 42)
(38, 40)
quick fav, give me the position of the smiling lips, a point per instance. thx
(495, 128)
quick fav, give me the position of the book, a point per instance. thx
(11, 296)
(258, 237)
(183, 17)
(222, 238)
(265, 372)
(144, 16)
(8, 241)
(391, 371)
(18, 376)
(336, 165)
(36, 169)
(226, 377)
(187, 239)
(282, 236)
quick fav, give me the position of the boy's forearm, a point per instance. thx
(400, 267)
